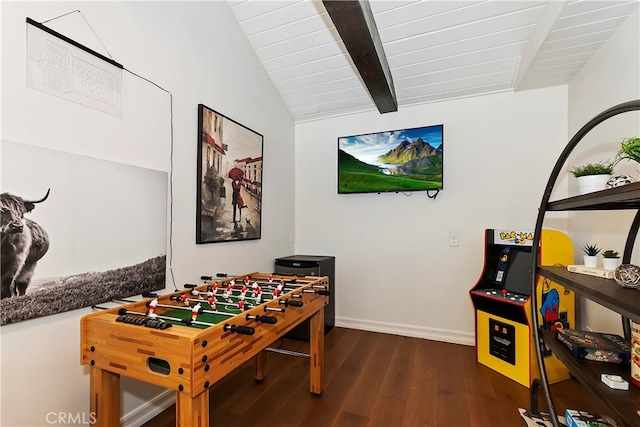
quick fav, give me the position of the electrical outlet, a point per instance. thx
(453, 239)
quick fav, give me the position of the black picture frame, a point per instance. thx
(229, 179)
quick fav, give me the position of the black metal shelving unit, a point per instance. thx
(623, 405)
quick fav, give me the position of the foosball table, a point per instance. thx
(188, 340)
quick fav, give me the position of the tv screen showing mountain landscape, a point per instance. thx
(400, 160)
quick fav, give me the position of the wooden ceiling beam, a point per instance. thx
(354, 21)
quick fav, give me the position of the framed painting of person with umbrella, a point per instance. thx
(229, 191)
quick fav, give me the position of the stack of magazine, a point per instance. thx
(596, 346)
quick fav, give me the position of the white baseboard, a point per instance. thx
(146, 412)
(456, 337)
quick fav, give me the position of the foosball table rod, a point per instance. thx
(243, 330)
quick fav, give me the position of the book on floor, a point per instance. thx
(575, 418)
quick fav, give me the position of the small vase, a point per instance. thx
(591, 261)
(591, 183)
(610, 264)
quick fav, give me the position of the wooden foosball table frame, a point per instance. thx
(194, 358)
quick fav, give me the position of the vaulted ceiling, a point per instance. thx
(436, 50)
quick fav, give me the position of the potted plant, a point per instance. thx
(610, 259)
(630, 150)
(592, 176)
(591, 255)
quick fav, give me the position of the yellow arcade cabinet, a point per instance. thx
(502, 302)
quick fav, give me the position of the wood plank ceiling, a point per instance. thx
(436, 50)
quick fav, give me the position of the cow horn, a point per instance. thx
(29, 204)
(41, 200)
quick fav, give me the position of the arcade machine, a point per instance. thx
(502, 301)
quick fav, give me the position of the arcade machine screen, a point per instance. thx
(518, 276)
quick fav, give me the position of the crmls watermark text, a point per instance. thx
(70, 418)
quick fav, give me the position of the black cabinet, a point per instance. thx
(311, 265)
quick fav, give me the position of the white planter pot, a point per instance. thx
(591, 183)
(610, 263)
(591, 261)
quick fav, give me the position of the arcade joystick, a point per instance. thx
(504, 293)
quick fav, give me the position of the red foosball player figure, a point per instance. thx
(279, 288)
(246, 281)
(270, 278)
(228, 292)
(241, 304)
(152, 308)
(195, 310)
(184, 298)
(212, 302)
(211, 290)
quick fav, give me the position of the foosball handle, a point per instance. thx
(242, 330)
(149, 295)
(189, 286)
(206, 277)
(267, 319)
(325, 293)
(222, 275)
(291, 303)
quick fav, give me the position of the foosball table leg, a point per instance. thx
(260, 366)
(193, 412)
(316, 352)
(105, 397)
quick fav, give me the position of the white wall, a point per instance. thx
(196, 51)
(394, 269)
(610, 78)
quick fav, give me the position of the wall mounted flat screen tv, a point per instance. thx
(394, 161)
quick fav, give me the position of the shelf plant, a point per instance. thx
(599, 168)
(629, 150)
(591, 250)
(592, 176)
(610, 259)
(591, 255)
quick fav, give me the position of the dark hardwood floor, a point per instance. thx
(374, 379)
